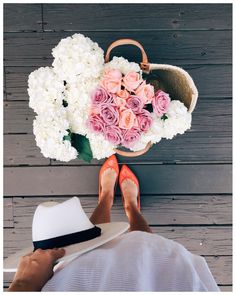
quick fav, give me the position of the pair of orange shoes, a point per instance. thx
(123, 174)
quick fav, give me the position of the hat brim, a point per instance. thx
(109, 231)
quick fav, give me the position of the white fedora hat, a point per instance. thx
(66, 225)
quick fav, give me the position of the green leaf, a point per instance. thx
(68, 136)
(164, 117)
(64, 103)
(82, 145)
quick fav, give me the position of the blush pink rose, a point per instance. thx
(144, 120)
(112, 85)
(112, 74)
(123, 93)
(127, 118)
(130, 137)
(96, 124)
(120, 102)
(113, 134)
(145, 92)
(161, 102)
(100, 95)
(94, 110)
(131, 81)
(135, 103)
(109, 114)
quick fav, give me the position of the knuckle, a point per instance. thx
(39, 251)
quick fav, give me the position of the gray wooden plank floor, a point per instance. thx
(186, 183)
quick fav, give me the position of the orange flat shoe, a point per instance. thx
(125, 173)
(112, 163)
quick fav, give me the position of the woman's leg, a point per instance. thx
(102, 213)
(136, 220)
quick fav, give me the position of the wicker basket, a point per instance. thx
(171, 79)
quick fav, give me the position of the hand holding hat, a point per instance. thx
(35, 269)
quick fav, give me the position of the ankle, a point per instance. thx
(106, 199)
(130, 207)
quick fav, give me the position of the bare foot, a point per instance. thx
(130, 193)
(108, 180)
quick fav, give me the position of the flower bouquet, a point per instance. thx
(89, 107)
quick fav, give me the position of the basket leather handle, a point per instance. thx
(134, 154)
(144, 64)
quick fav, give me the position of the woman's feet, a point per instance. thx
(107, 180)
(130, 190)
(108, 176)
(129, 186)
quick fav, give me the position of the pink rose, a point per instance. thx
(130, 137)
(111, 85)
(123, 93)
(144, 120)
(113, 134)
(94, 110)
(161, 102)
(109, 114)
(120, 102)
(131, 81)
(145, 92)
(100, 95)
(135, 104)
(127, 118)
(112, 74)
(96, 123)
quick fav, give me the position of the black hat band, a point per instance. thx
(69, 239)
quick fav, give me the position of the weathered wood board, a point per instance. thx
(83, 180)
(157, 209)
(179, 47)
(199, 240)
(22, 17)
(8, 213)
(196, 147)
(22, 150)
(143, 17)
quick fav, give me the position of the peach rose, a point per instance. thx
(131, 81)
(111, 85)
(127, 119)
(119, 101)
(123, 94)
(112, 74)
(145, 92)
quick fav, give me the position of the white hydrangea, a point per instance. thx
(101, 148)
(45, 91)
(123, 65)
(78, 97)
(77, 57)
(49, 132)
(179, 120)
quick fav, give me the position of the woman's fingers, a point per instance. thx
(57, 253)
(53, 253)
